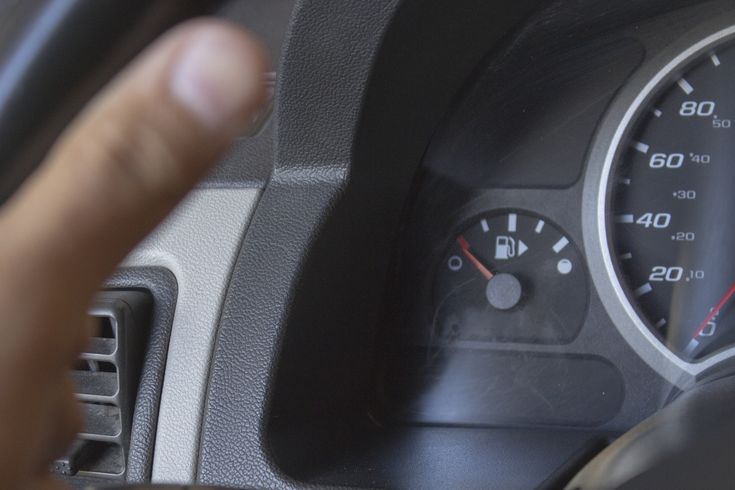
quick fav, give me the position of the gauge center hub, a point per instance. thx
(504, 291)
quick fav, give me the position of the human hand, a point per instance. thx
(114, 174)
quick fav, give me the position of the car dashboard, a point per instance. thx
(473, 244)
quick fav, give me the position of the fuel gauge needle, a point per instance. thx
(465, 246)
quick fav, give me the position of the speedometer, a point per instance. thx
(671, 198)
(661, 192)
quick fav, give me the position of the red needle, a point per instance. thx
(715, 311)
(465, 246)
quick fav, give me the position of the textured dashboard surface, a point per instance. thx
(322, 94)
(198, 244)
(250, 162)
(321, 98)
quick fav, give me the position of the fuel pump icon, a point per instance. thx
(505, 248)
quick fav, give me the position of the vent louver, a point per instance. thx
(106, 378)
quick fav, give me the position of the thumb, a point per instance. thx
(134, 153)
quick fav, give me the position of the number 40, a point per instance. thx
(660, 221)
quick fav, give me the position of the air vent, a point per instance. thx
(106, 377)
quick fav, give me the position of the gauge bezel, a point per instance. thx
(618, 123)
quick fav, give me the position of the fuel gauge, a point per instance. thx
(511, 277)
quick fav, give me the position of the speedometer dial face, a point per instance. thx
(671, 204)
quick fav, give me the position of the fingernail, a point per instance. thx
(214, 77)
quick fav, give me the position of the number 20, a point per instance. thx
(667, 274)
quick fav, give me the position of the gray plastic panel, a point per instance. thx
(198, 243)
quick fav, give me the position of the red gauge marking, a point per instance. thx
(715, 311)
(465, 246)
